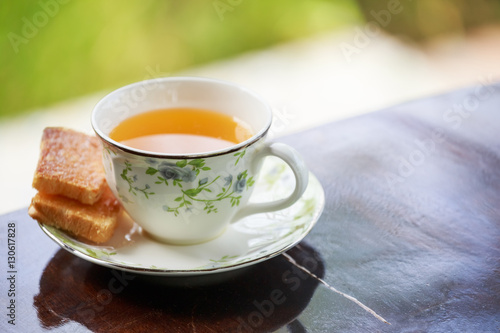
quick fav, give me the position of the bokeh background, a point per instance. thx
(64, 49)
(314, 60)
(53, 50)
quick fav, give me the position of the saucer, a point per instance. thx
(251, 240)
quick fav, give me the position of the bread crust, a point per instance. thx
(70, 165)
(95, 223)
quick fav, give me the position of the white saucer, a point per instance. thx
(249, 241)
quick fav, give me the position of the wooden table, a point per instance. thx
(411, 228)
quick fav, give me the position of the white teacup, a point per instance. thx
(190, 198)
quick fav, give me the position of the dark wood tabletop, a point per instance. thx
(411, 229)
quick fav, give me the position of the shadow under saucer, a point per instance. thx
(263, 297)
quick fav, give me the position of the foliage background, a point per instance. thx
(85, 46)
(91, 45)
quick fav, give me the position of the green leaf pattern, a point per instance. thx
(192, 179)
(93, 251)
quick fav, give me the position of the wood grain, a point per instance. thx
(411, 228)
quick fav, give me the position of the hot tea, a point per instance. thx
(181, 131)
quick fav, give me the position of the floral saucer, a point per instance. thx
(251, 240)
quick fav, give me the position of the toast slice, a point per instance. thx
(70, 165)
(95, 222)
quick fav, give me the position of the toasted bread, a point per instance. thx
(70, 165)
(95, 222)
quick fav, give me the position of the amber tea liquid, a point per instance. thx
(181, 131)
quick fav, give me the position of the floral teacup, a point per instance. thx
(190, 198)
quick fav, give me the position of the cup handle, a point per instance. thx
(296, 163)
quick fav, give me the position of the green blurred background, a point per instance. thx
(52, 50)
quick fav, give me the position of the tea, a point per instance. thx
(181, 131)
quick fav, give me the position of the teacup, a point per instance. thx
(191, 198)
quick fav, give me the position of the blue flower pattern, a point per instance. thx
(186, 172)
(172, 171)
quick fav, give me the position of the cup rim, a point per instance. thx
(256, 137)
